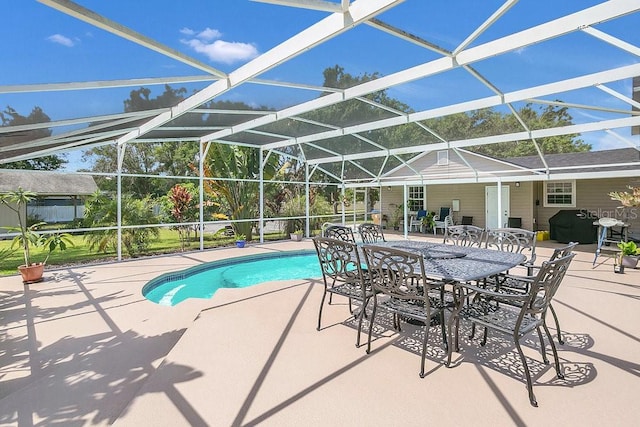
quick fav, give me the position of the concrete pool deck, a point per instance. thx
(85, 348)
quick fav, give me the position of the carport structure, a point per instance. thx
(500, 57)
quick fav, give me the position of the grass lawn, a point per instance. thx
(168, 242)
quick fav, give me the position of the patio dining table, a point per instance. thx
(459, 263)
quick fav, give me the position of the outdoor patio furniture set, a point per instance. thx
(470, 277)
(441, 221)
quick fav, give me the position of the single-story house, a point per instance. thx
(532, 192)
(60, 196)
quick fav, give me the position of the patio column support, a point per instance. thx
(499, 186)
(344, 215)
(366, 204)
(379, 202)
(405, 197)
(120, 148)
(261, 207)
(201, 193)
(306, 189)
(355, 191)
(342, 194)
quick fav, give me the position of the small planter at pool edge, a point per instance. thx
(240, 243)
(629, 261)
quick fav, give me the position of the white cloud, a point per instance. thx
(222, 51)
(187, 31)
(209, 34)
(60, 39)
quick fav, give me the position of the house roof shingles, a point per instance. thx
(47, 183)
(560, 160)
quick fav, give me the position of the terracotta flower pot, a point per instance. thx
(32, 273)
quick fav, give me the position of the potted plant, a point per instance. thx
(628, 199)
(629, 252)
(241, 240)
(29, 237)
(296, 235)
(428, 222)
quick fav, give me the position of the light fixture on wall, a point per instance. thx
(517, 183)
(389, 188)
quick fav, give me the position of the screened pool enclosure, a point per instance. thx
(415, 85)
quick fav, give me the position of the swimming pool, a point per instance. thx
(204, 280)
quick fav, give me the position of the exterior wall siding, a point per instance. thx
(526, 202)
(471, 198)
(390, 200)
(427, 165)
(592, 196)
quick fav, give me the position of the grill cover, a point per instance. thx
(573, 226)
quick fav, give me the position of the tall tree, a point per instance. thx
(460, 126)
(10, 117)
(354, 112)
(486, 122)
(145, 158)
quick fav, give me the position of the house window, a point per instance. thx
(560, 194)
(416, 198)
(443, 158)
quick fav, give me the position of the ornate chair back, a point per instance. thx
(397, 273)
(563, 251)
(339, 262)
(371, 233)
(464, 235)
(515, 240)
(546, 284)
(340, 232)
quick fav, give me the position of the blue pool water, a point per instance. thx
(204, 280)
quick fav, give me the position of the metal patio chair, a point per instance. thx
(340, 232)
(402, 288)
(516, 240)
(512, 284)
(342, 274)
(524, 314)
(371, 233)
(464, 235)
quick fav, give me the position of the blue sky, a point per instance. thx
(42, 45)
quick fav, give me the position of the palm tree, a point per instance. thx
(242, 197)
(102, 211)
